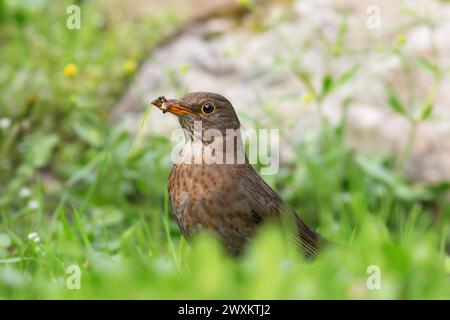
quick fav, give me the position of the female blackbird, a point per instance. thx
(212, 185)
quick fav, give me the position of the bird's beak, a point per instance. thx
(171, 105)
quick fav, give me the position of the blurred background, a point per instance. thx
(360, 91)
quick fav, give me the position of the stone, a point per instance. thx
(226, 55)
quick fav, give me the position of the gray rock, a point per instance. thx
(251, 68)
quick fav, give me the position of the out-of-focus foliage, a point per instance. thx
(96, 195)
(58, 88)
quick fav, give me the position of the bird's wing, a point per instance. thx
(266, 203)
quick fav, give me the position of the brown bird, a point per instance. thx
(232, 200)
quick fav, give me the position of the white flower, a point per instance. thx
(33, 236)
(25, 192)
(33, 204)
(5, 123)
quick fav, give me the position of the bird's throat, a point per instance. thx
(228, 150)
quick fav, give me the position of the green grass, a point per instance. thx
(97, 195)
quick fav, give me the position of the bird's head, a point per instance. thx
(213, 110)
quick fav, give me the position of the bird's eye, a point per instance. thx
(208, 107)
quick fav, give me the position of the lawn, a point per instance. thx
(84, 209)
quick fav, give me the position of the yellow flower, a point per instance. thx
(307, 98)
(401, 39)
(244, 3)
(184, 68)
(70, 70)
(129, 66)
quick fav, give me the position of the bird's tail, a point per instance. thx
(308, 239)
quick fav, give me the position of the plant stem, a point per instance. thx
(406, 152)
(167, 230)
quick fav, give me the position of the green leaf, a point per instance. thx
(327, 84)
(428, 65)
(346, 76)
(80, 226)
(2, 11)
(394, 101)
(5, 240)
(146, 114)
(440, 187)
(426, 112)
(304, 77)
(41, 148)
(376, 170)
(89, 132)
(398, 187)
(107, 216)
(14, 260)
(341, 37)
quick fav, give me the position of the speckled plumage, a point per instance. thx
(231, 200)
